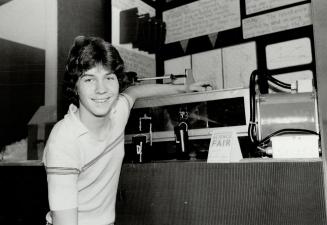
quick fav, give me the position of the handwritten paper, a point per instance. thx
(239, 61)
(143, 65)
(201, 18)
(253, 6)
(290, 18)
(207, 66)
(289, 53)
(224, 148)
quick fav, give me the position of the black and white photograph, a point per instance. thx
(163, 112)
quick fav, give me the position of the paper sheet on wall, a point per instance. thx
(144, 66)
(239, 61)
(297, 16)
(201, 18)
(177, 66)
(289, 53)
(207, 66)
(224, 148)
(253, 6)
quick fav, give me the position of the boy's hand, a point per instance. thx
(199, 86)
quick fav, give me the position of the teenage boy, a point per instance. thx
(84, 153)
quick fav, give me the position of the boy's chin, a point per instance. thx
(101, 113)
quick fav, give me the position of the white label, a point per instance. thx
(224, 148)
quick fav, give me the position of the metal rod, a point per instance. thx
(170, 76)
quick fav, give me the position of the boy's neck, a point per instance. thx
(98, 126)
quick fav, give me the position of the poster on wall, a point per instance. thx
(207, 66)
(285, 19)
(239, 61)
(177, 66)
(254, 6)
(201, 18)
(289, 53)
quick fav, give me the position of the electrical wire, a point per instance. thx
(252, 129)
(285, 131)
(278, 82)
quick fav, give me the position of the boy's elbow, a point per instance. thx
(132, 92)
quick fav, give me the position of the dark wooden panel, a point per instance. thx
(22, 76)
(23, 195)
(78, 17)
(237, 193)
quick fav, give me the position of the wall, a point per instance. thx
(78, 17)
(39, 30)
(22, 66)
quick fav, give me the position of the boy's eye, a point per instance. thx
(88, 79)
(111, 77)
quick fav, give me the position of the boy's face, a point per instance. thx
(98, 90)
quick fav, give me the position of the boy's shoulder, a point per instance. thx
(68, 128)
(61, 149)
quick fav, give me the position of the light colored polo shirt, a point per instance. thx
(83, 172)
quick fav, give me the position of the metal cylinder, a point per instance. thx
(286, 111)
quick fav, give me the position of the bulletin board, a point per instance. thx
(239, 36)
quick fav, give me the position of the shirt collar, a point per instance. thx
(73, 117)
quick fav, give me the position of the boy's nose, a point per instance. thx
(100, 87)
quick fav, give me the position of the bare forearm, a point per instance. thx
(65, 217)
(148, 90)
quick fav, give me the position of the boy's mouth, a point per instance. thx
(100, 100)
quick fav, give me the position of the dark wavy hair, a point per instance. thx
(86, 53)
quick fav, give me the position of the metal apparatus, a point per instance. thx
(183, 123)
(271, 115)
(207, 111)
(185, 78)
(181, 133)
(280, 111)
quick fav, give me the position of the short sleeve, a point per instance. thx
(61, 155)
(122, 111)
(61, 160)
(129, 101)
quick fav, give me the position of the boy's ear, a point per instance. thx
(75, 91)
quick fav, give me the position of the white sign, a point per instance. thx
(289, 53)
(290, 18)
(201, 18)
(253, 6)
(224, 148)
